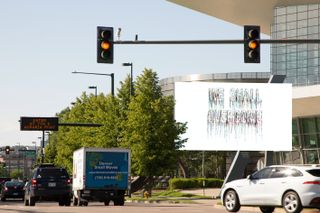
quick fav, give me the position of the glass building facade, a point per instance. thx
(300, 63)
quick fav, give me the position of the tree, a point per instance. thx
(3, 170)
(87, 109)
(144, 123)
(151, 132)
(16, 174)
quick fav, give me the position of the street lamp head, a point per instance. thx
(126, 64)
(92, 87)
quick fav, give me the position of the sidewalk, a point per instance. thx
(211, 192)
(214, 193)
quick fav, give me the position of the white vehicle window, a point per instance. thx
(279, 172)
(314, 172)
(293, 172)
(262, 174)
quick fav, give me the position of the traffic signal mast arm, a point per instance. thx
(251, 41)
(241, 41)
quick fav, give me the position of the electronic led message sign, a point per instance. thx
(39, 123)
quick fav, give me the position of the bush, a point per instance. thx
(189, 183)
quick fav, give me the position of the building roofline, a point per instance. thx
(242, 12)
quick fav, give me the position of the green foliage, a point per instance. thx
(189, 183)
(150, 130)
(143, 123)
(214, 164)
(87, 109)
(3, 171)
(172, 193)
(16, 174)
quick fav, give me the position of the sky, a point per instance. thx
(43, 42)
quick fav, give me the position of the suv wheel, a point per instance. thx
(67, 201)
(266, 209)
(231, 201)
(291, 202)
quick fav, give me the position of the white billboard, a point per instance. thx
(235, 116)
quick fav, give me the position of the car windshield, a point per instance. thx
(314, 172)
(52, 173)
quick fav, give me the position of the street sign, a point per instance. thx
(28, 153)
(39, 123)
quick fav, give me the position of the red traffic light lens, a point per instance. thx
(253, 33)
(106, 34)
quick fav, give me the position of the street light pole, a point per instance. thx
(35, 150)
(18, 158)
(131, 76)
(91, 73)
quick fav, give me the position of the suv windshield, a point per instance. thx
(52, 173)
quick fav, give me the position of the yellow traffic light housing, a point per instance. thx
(251, 44)
(105, 45)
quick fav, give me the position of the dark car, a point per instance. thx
(48, 183)
(12, 189)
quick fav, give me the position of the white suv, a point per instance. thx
(292, 187)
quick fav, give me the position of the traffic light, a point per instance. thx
(251, 44)
(7, 150)
(105, 45)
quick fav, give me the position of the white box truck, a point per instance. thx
(100, 174)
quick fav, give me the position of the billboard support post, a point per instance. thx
(242, 158)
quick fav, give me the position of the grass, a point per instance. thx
(172, 196)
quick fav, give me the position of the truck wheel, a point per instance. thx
(119, 201)
(107, 202)
(61, 202)
(85, 203)
(75, 201)
(115, 202)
